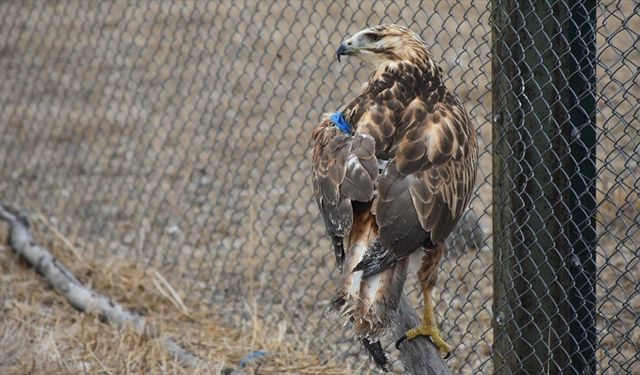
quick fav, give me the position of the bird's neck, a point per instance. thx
(418, 77)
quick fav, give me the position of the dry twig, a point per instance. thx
(80, 296)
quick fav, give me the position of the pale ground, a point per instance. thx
(177, 136)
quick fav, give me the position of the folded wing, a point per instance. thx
(427, 185)
(344, 170)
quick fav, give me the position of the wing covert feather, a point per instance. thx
(427, 185)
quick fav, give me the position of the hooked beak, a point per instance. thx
(342, 51)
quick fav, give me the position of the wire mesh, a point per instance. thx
(177, 134)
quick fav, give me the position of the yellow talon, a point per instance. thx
(428, 326)
(432, 331)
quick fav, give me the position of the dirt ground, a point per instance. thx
(175, 136)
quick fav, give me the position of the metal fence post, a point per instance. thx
(543, 73)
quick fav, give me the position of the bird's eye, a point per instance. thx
(373, 37)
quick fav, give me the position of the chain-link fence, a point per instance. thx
(565, 148)
(177, 134)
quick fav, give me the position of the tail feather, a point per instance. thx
(376, 260)
(368, 300)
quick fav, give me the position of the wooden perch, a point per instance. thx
(418, 355)
(81, 297)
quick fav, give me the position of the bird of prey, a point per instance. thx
(392, 174)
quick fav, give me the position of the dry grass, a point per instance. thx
(41, 334)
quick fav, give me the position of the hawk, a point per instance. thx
(392, 174)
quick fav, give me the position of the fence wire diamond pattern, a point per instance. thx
(177, 134)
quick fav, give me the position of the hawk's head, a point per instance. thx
(385, 43)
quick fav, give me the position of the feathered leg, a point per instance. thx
(427, 276)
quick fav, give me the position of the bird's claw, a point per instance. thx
(430, 331)
(400, 341)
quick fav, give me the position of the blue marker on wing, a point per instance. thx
(342, 124)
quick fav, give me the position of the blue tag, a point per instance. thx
(342, 124)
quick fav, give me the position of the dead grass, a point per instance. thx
(41, 334)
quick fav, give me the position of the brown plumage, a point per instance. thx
(406, 116)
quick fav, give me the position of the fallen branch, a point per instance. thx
(418, 355)
(81, 297)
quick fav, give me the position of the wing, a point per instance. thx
(344, 170)
(427, 185)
